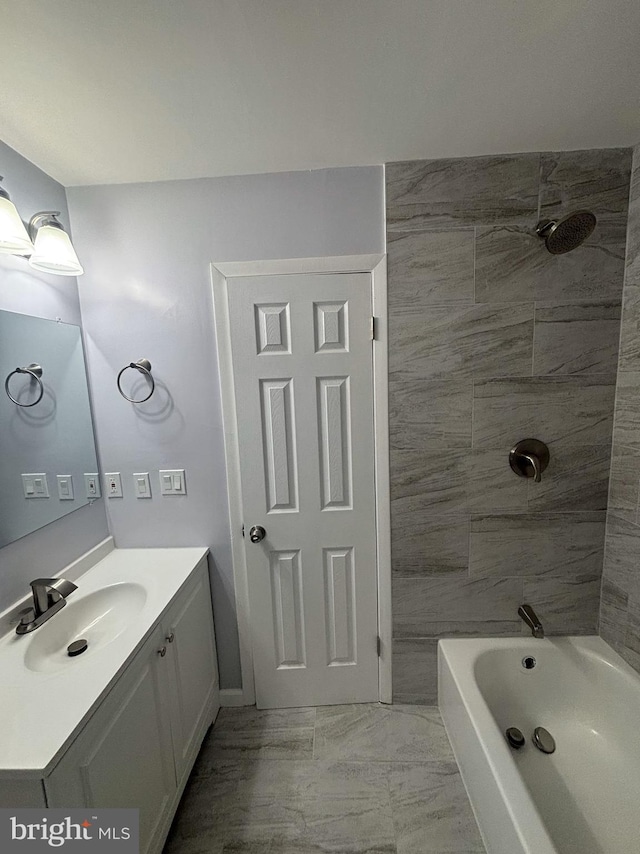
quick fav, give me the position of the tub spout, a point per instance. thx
(526, 613)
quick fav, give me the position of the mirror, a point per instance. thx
(47, 433)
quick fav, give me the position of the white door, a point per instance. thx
(302, 364)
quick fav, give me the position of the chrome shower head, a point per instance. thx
(565, 234)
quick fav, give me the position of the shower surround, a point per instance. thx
(493, 340)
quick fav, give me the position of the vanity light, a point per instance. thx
(53, 251)
(14, 239)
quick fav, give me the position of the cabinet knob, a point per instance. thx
(162, 651)
(170, 637)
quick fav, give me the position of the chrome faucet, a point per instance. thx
(526, 613)
(49, 596)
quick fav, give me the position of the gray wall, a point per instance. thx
(492, 340)
(620, 603)
(146, 249)
(28, 291)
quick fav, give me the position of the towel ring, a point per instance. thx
(35, 372)
(144, 366)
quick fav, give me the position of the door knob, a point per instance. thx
(257, 533)
(529, 458)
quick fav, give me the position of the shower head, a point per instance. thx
(565, 234)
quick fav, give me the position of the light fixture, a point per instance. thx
(46, 242)
(14, 239)
(53, 251)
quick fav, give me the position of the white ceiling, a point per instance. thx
(104, 91)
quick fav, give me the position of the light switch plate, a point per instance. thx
(141, 485)
(113, 484)
(65, 487)
(35, 485)
(172, 482)
(92, 484)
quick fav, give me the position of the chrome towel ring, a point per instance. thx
(144, 366)
(35, 372)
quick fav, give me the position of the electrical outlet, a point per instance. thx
(141, 484)
(114, 484)
(172, 482)
(92, 484)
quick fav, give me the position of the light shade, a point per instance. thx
(14, 239)
(53, 251)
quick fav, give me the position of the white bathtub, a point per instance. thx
(582, 799)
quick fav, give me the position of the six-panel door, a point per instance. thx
(302, 362)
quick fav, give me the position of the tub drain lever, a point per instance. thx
(515, 737)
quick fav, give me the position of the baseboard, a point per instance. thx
(232, 697)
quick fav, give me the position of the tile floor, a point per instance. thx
(362, 779)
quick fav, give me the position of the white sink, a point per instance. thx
(46, 696)
(98, 617)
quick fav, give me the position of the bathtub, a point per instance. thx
(582, 799)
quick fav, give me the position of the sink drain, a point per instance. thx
(77, 647)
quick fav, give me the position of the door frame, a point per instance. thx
(222, 276)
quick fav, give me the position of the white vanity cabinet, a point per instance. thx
(139, 746)
(192, 674)
(123, 757)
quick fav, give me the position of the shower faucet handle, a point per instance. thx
(529, 458)
(534, 462)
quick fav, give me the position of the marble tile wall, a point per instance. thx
(492, 339)
(620, 599)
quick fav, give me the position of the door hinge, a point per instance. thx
(243, 530)
(379, 645)
(373, 329)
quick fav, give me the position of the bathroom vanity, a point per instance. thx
(121, 724)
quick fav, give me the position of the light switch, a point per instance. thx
(172, 482)
(141, 484)
(65, 487)
(92, 484)
(114, 484)
(35, 485)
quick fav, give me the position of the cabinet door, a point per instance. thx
(194, 682)
(123, 757)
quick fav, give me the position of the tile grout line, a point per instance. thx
(315, 724)
(391, 810)
(475, 252)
